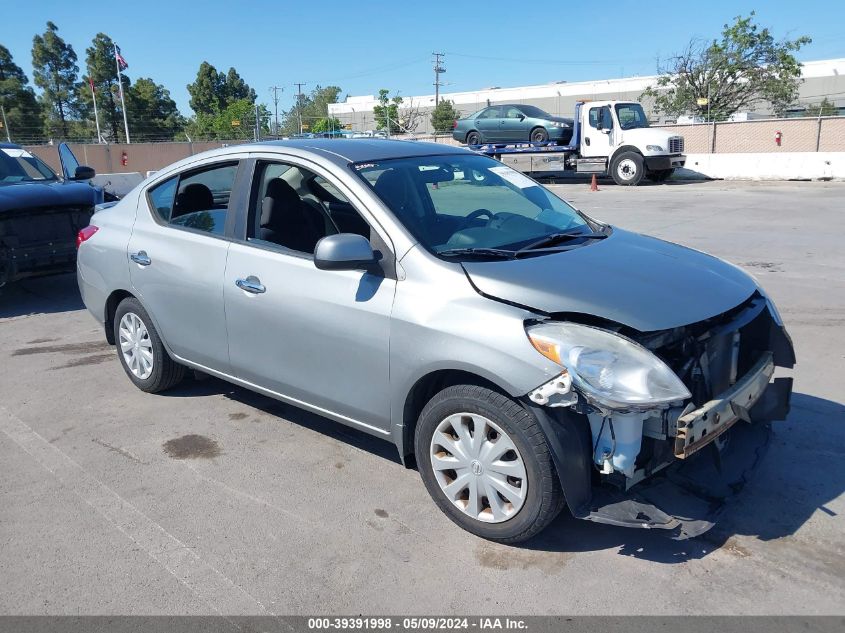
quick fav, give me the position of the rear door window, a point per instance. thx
(197, 200)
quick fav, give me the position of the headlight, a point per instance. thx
(559, 124)
(608, 369)
(654, 148)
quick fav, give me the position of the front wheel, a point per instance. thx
(141, 351)
(539, 135)
(627, 168)
(485, 462)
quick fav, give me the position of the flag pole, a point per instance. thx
(122, 100)
(96, 115)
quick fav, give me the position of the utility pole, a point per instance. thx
(438, 69)
(299, 101)
(275, 90)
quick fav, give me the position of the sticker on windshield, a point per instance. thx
(514, 177)
(16, 153)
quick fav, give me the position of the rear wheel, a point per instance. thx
(627, 168)
(473, 138)
(485, 462)
(539, 135)
(141, 351)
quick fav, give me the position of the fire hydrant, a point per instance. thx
(124, 158)
(778, 137)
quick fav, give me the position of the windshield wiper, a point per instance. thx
(556, 238)
(478, 252)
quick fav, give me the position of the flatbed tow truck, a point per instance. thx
(608, 137)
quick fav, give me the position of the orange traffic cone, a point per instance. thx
(594, 185)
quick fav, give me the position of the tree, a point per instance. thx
(746, 66)
(23, 114)
(386, 111)
(100, 62)
(326, 124)
(313, 107)
(443, 116)
(410, 116)
(55, 72)
(212, 91)
(151, 111)
(824, 108)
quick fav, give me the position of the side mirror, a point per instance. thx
(520, 116)
(344, 251)
(83, 172)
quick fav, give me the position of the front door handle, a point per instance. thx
(141, 258)
(251, 284)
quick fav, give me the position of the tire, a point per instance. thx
(162, 373)
(539, 135)
(474, 138)
(661, 175)
(533, 488)
(627, 168)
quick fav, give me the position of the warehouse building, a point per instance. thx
(821, 79)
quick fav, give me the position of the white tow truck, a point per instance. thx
(608, 137)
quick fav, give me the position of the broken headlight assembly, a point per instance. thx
(609, 370)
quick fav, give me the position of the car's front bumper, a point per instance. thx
(659, 163)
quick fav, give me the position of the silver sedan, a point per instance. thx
(524, 356)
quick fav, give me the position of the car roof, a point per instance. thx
(10, 146)
(355, 150)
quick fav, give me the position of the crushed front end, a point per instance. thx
(672, 466)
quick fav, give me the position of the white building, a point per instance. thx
(823, 78)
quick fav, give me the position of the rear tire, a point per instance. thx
(502, 462)
(627, 168)
(539, 135)
(140, 350)
(473, 138)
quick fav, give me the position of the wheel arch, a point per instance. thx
(112, 302)
(623, 148)
(423, 390)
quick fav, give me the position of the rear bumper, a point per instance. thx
(658, 163)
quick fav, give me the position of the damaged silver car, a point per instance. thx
(524, 356)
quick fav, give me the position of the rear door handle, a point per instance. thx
(141, 258)
(251, 284)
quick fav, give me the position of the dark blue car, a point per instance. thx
(41, 212)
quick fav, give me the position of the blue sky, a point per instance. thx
(364, 46)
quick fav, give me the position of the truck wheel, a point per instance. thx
(485, 462)
(473, 138)
(661, 175)
(141, 351)
(627, 168)
(539, 135)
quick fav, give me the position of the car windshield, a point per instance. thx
(534, 112)
(18, 165)
(465, 203)
(631, 115)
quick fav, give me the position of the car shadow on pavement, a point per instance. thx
(802, 471)
(42, 295)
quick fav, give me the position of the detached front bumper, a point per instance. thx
(659, 163)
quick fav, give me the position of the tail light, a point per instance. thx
(454, 124)
(86, 234)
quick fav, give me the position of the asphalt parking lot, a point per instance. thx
(210, 499)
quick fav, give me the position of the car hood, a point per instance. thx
(632, 279)
(643, 136)
(25, 195)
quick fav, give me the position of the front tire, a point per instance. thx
(140, 350)
(539, 135)
(485, 462)
(627, 168)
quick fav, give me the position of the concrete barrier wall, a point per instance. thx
(766, 166)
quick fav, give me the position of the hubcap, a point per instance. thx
(627, 169)
(478, 467)
(136, 346)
